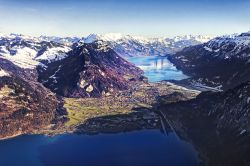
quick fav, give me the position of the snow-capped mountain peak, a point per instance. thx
(91, 38)
(112, 36)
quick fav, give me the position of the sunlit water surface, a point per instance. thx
(157, 68)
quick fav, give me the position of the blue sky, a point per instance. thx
(136, 17)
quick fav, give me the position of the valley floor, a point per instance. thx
(136, 103)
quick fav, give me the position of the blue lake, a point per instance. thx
(157, 68)
(138, 148)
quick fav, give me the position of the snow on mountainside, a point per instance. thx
(3, 73)
(127, 45)
(28, 52)
(224, 60)
(54, 54)
(229, 46)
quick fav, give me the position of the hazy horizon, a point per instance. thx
(148, 18)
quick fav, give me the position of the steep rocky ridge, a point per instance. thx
(90, 70)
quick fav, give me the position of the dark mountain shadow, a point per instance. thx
(217, 124)
(134, 121)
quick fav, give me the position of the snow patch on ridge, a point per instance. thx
(3, 73)
(54, 54)
(208, 49)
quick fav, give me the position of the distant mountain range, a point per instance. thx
(127, 45)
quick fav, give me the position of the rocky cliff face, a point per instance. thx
(218, 124)
(90, 70)
(25, 105)
(222, 61)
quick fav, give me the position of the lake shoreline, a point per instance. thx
(10, 137)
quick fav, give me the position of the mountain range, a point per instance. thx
(28, 52)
